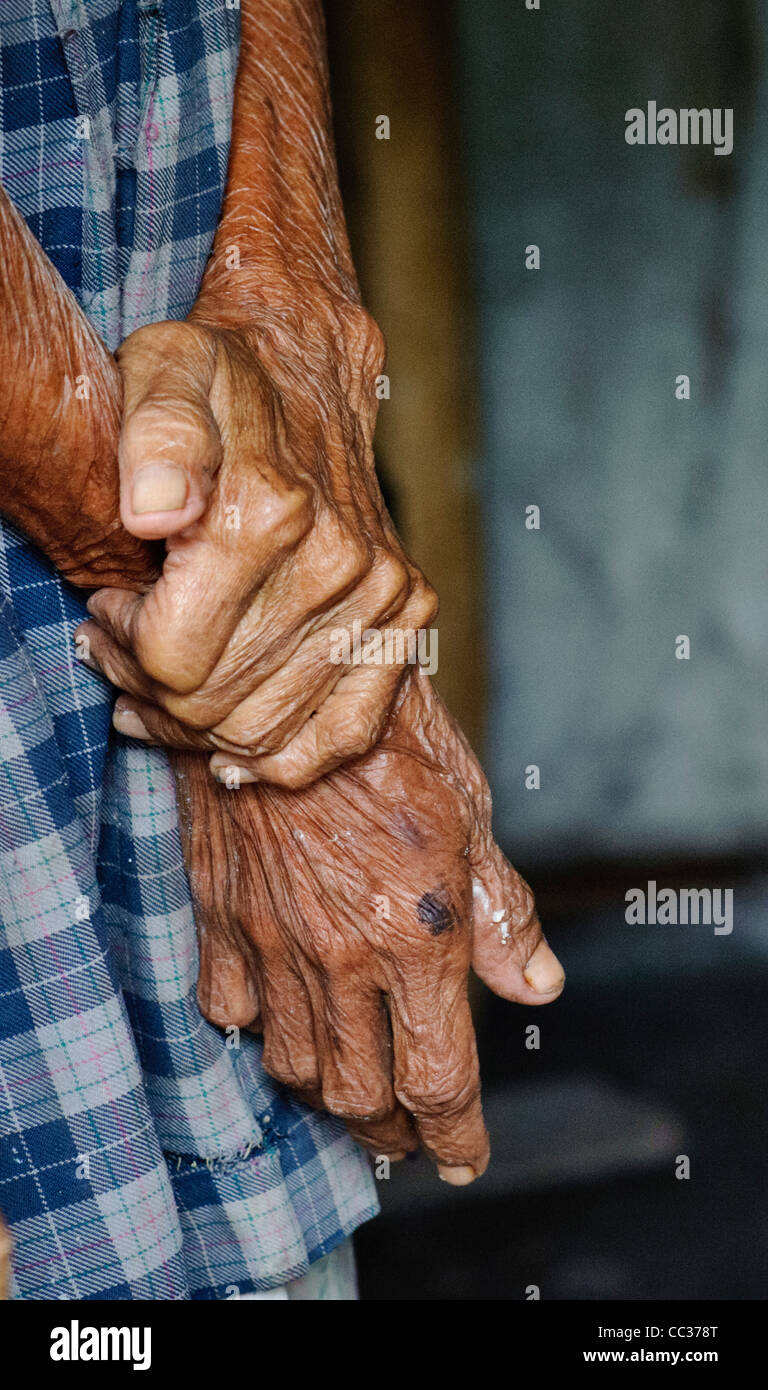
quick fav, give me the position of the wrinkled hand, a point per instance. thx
(412, 807)
(344, 924)
(258, 442)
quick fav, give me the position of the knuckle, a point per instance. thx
(260, 735)
(523, 910)
(299, 1075)
(222, 1012)
(365, 338)
(163, 649)
(192, 710)
(292, 775)
(277, 1067)
(438, 1091)
(290, 516)
(425, 603)
(162, 663)
(392, 579)
(155, 422)
(305, 1079)
(341, 556)
(354, 737)
(304, 1070)
(164, 338)
(337, 957)
(355, 1102)
(140, 349)
(526, 928)
(352, 562)
(113, 666)
(375, 348)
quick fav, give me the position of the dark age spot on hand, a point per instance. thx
(436, 911)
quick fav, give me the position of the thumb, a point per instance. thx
(509, 951)
(170, 448)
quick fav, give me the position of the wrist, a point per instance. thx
(313, 340)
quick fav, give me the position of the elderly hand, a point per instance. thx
(341, 922)
(390, 859)
(250, 449)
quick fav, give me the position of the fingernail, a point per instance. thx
(127, 722)
(457, 1177)
(544, 973)
(159, 488)
(230, 774)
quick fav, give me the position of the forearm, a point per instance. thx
(282, 211)
(281, 268)
(59, 422)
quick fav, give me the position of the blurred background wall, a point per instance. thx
(555, 387)
(654, 262)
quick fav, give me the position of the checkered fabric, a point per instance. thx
(141, 1154)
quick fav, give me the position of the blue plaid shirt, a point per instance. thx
(140, 1156)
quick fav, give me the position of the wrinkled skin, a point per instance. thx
(290, 939)
(234, 638)
(343, 920)
(260, 409)
(415, 805)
